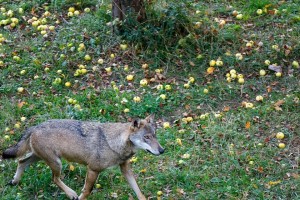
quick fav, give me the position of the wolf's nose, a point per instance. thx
(161, 150)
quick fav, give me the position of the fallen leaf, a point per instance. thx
(226, 108)
(21, 104)
(71, 167)
(279, 103)
(277, 108)
(248, 125)
(180, 191)
(295, 176)
(260, 169)
(275, 68)
(274, 182)
(210, 70)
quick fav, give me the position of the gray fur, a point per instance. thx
(96, 145)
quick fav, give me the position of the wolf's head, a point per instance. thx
(143, 135)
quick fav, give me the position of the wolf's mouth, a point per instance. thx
(152, 153)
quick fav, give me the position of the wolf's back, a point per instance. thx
(19, 149)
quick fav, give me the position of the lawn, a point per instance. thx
(222, 78)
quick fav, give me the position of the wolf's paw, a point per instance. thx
(11, 183)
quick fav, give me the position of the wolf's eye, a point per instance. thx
(147, 137)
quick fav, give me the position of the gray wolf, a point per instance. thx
(96, 145)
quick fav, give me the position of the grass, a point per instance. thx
(228, 151)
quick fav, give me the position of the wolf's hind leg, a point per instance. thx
(56, 167)
(22, 165)
(91, 177)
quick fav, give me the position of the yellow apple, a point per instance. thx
(100, 61)
(280, 135)
(159, 87)
(259, 11)
(189, 119)
(129, 77)
(22, 72)
(168, 87)
(163, 96)
(71, 9)
(145, 66)
(68, 84)
(143, 82)
(20, 89)
(87, 10)
(17, 125)
(241, 80)
(259, 98)
(70, 14)
(108, 69)
(281, 145)
(219, 63)
(262, 72)
(191, 79)
(239, 16)
(123, 46)
(7, 137)
(136, 99)
(87, 57)
(186, 85)
(235, 13)
(166, 125)
(212, 63)
(267, 62)
(239, 56)
(295, 64)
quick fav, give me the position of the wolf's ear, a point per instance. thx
(150, 119)
(136, 123)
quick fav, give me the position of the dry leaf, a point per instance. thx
(180, 191)
(226, 108)
(192, 64)
(210, 70)
(279, 103)
(274, 182)
(21, 104)
(247, 125)
(295, 176)
(277, 108)
(275, 68)
(260, 169)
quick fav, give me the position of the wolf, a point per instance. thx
(94, 144)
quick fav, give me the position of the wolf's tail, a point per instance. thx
(19, 149)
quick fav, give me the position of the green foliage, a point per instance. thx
(166, 23)
(228, 149)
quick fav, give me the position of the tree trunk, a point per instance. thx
(121, 8)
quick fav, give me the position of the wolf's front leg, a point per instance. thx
(126, 171)
(91, 177)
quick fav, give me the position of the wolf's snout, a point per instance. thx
(161, 150)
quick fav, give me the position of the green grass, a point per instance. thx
(235, 156)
